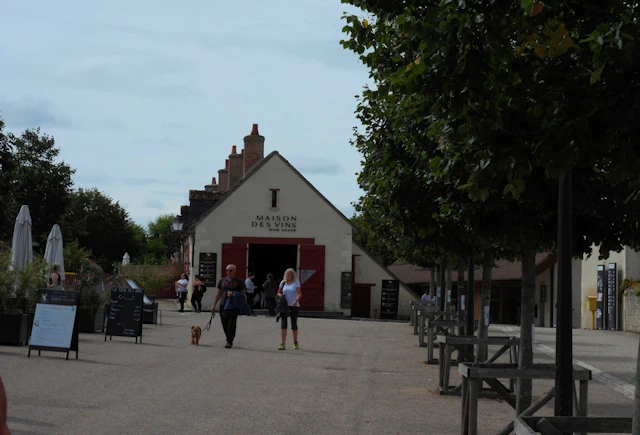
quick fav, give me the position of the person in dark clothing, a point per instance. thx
(199, 289)
(226, 288)
(269, 287)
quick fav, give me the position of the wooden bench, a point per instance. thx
(451, 343)
(473, 374)
(439, 327)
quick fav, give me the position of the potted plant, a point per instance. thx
(89, 283)
(18, 291)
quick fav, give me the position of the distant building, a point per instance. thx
(264, 217)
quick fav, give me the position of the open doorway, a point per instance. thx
(275, 259)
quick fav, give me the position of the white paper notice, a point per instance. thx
(486, 316)
(53, 325)
(462, 301)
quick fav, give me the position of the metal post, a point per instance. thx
(564, 338)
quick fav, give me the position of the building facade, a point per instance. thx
(506, 284)
(265, 217)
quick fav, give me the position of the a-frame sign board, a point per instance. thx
(55, 322)
(125, 313)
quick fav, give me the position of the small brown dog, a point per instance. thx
(196, 332)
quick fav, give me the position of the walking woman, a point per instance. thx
(290, 288)
(182, 284)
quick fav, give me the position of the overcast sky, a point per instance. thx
(146, 98)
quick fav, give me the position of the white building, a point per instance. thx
(267, 217)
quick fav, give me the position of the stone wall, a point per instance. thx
(631, 312)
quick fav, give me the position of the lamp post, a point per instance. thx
(177, 224)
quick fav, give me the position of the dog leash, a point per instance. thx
(207, 327)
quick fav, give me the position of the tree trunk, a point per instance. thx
(462, 265)
(449, 287)
(524, 386)
(485, 303)
(432, 284)
(440, 287)
(635, 429)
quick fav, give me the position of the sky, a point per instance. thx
(145, 99)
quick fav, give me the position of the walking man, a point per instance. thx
(251, 289)
(229, 287)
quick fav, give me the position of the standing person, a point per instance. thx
(182, 283)
(228, 288)
(269, 288)
(55, 281)
(290, 287)
(251, 288)
(199, 289)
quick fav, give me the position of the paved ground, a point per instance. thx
(350, 377)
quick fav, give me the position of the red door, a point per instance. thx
(311, 276)
(235, 253)
(361, 300)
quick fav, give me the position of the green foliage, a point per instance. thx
(18, 287)
(7, 281)
(366, 235)
(37, 181)
(74, 256)
(30, 280)
(89, 282)
(149, 279)
(484, 101)
(629, 286)
(101, 226)
(158, 233)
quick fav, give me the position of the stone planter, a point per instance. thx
(14, 329)
(90, 323)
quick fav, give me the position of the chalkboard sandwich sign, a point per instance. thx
(55, 322)
(125, 313)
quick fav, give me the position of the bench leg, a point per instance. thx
(465, 405)
(473, 406)
(448, 350)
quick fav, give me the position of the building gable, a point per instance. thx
(273, 172)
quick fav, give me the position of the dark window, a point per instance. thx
(274, 198)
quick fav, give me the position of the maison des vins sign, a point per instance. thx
(276, 223)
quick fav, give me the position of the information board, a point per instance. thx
(346, 288)
(600, 292)
(612, 300)
(55, 322)
(390, 296)
(125, 313)
(207, 268)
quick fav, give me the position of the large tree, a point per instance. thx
(513, 102)
(35, 178)
(100, 225)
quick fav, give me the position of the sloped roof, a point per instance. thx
(503, 271)
(256, 168)
(386, 269)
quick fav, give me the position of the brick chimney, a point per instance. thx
(253, 150)
(223, 176)
(235, 167)
(213, 187)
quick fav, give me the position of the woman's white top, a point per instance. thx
(290, 291)
(182, 285)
